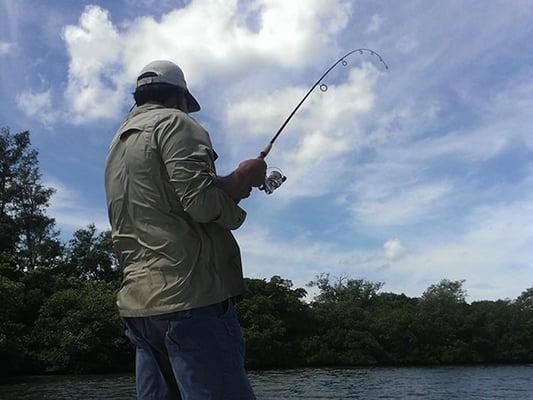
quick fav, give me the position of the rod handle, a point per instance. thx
(265, 151)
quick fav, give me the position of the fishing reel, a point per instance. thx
(273, 181)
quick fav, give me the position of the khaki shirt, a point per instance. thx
(170, 224)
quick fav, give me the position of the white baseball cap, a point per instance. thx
(163, 71)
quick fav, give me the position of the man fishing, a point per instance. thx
(171, 219)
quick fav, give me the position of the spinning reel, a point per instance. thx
(273, 181)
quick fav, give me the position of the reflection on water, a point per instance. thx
(446, 383)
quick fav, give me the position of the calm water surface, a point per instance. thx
(465, 383)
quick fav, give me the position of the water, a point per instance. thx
(429, 383)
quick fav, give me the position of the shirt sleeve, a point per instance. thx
(188, 156)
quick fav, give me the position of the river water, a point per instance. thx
(428, 383)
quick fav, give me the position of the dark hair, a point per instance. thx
(155, 92)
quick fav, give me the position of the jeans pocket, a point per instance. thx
(233, 327)
(134, 337)
(189, 334)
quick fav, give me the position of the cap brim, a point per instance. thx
(192, 103)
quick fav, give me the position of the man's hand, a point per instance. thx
(238, 185)
(252, 172)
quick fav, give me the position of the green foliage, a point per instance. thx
(525, 301)
(341, 336)
(12, 339)
(355, 291)
(274, 320)
(12, 150)
(444, 296)
(89, 256)
(79, 330)
(58, 303)
(26, 231)
(394, 326)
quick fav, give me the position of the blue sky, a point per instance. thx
(405, 176)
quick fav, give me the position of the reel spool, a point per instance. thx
(273, 181)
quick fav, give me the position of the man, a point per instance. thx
(171, 219)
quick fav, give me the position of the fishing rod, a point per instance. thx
(276, 178)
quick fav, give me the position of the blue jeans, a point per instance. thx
(191, 355)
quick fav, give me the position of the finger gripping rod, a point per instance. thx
(323, 87)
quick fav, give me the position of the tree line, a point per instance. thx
(58, 311)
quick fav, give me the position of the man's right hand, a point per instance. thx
(238, 185)
(252, 172)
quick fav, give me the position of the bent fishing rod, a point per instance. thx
(276, 178)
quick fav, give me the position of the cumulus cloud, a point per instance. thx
(38, 105)
(388, 194)
(105, 58)
(258, 114)
(325, 128)
(407, 44)
(493, 253)
(6, 48)
(376, 260)
(393, 249)
(402, 205)
(302, 258)
(94, 88)
(70, 210)
(404, 156)
(376, 21)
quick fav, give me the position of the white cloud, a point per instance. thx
(94, 47)
(70, 211)
(302, 258)
(376, 21)
(11, 13)
(105, 59)
(324, 130)
(335, 108)
(444, 112)
(493, 254)
(394, 157)
(38, 105)
(393, 249)
(376, 261)
(6, 48)
(492, 251)
(258, 114)
(407, 44)
(388, 194)
(341, 199)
